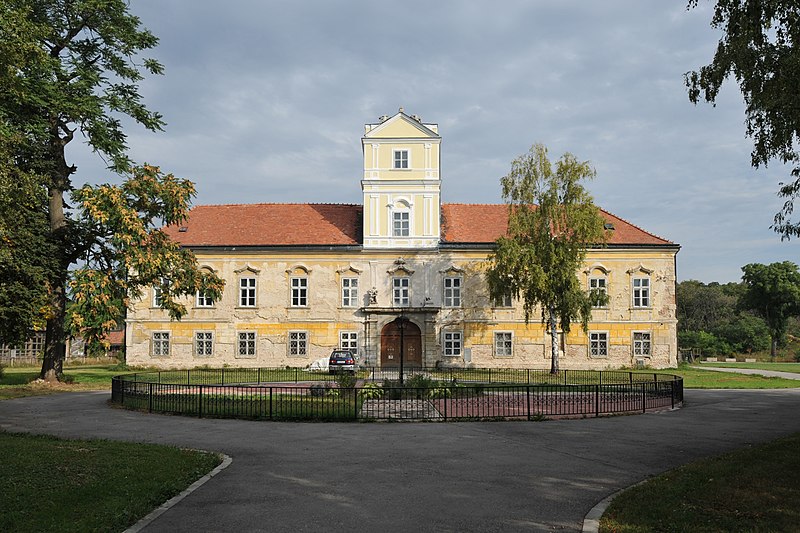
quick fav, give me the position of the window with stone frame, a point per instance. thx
(299, 292)
(599, 284)
(641, 344)
(349, 292)
(246, 344)
(452, 343)
(452, 291)
(203, 343)
(598, 344)
(298, 343)
(401, 159)
(503, 344)
(348, 340)
(641, 292)
(160, 344)
(247, 291)
(401, 288)
(401, 223)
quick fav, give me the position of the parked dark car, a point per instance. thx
(342, 361)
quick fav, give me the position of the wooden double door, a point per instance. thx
(399, 334)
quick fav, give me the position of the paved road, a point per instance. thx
(753, 371)
(492, 476)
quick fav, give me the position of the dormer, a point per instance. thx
(401, 182)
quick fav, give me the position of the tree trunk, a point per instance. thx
(553, 340)
(55, 344)
(773, 350)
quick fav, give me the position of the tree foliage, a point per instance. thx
(552, 220)
(773, 292)
(759, 49)
(70, 66)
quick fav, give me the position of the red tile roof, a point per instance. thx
(340, 224)
(479, 223)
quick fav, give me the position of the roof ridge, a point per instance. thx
(635, 226)
(252, 204)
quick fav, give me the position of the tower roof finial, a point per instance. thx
(401, 109)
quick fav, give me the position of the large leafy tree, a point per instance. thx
(772, 292)
(552, 221)
(759, 49)
(73, 66)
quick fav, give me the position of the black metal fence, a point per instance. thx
(379, 394)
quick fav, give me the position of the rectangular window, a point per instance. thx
(401, 224)
(599, 285)
(503, 344)
(204, 300)
(247, 344)
(160, 344)
(348, 340)
(641, 292)
(299, 292)
(641, 343)
(400, 290)
(452, 292)
(401, 159)
(598, 344)
(247, 292)
(506, 301)
(452, 343)
(349, 292)
(298, 343)
(157, 300)
(203, 344)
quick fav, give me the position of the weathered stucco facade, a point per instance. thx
(402, 272)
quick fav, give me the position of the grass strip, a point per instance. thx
(696, 378)
(50, 484)
(752, 489)
(777, 367)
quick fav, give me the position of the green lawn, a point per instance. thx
(778, 367)
(18, 382)
(49, 484)
(752, 489)
(697, 378)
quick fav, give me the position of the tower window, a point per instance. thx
(401, 159)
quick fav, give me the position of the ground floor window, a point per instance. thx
(160, 344)
(452, 343)
(503, 344)
(348, 340)
(598, 344)
(298, 343)
(203, 343)
(247, 344)
(641, 343)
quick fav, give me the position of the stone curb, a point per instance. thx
(166, 506)
(591, 522)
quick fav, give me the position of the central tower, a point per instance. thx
(401, 183)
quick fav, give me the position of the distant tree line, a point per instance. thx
(757, 314)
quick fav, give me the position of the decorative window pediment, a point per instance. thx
(246, 269)
(400, 265)
(642, 269)
(600, 267)
(349, 269)
(298, 270)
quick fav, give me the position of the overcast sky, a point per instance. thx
(266, 101)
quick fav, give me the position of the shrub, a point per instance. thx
(345, 380)
(318, 389)
(371, 391)
(2, 371)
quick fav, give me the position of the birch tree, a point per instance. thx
(552, 221)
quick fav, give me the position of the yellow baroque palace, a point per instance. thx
(400, 271)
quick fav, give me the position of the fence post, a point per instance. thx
(259, 374)
(445, 404)
(672, 393)
(490, 374)
(644, 398)
(528, 395)
(200, 402)
(295, 374)
(188, 377)
(565, 376)
(150, 398)
(529, 382)
(159, 377)
(655, 377)
(597, 401)
(270, 403)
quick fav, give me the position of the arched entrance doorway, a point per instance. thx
(401, 332)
